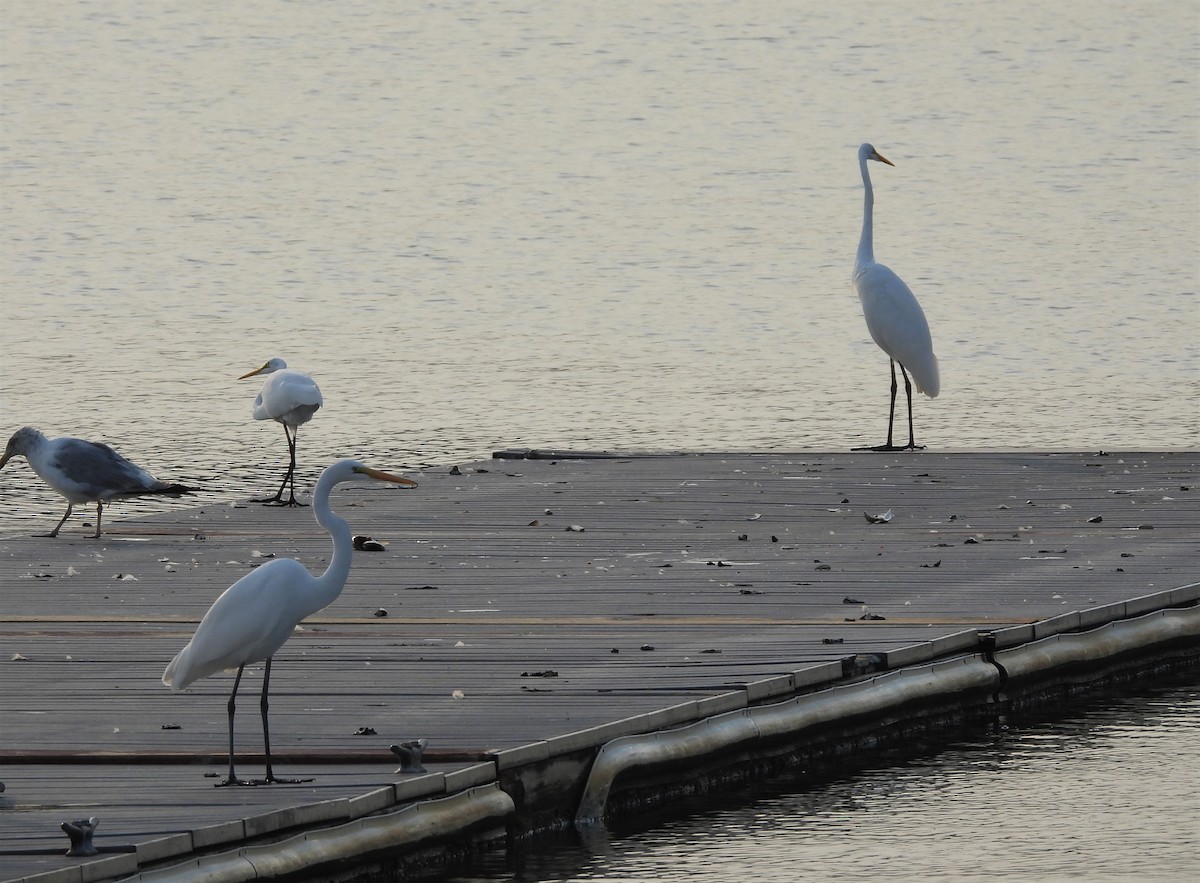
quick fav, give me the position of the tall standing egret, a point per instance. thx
(894, 318)
(291, 398)
(255, 616)
(84, 472)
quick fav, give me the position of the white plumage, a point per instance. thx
(894, 317)
(255, 616)
(288, 397)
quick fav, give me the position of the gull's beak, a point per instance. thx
(879, 156)
(387, 476)
(254, 372)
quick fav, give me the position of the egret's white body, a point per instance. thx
(255, 616)
(288, 397)
(894, 317)
(83, 471)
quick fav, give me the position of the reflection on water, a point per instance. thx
(1107, 790)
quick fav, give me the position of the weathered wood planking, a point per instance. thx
(644, 582)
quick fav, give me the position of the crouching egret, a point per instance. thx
(84, 472)
(894, 318)
(255, 616)
(291, 398)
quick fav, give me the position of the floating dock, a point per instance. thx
(573, 636)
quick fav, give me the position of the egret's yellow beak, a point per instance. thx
(254, 372)
(879, 156)
(386, 476)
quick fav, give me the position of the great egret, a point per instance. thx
(894, 318)
(84, 471)
(255, 616)
(291, 398)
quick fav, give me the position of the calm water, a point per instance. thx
(618, 225)
(1106, 792)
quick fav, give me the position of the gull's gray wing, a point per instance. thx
(99, 472)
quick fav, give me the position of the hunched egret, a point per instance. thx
(894, 318)
(255, 616)
(84, 471)
(290, 398)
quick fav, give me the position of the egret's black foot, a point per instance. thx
(269, 780)
(234, 782)
(279, 501)
(886, 448)
(275, 780)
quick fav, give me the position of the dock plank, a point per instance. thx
(524, 599)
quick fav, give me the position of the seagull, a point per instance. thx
(291, 398)
(84, 472)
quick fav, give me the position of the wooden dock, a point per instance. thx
(519, 600)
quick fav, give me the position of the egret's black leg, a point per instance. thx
(233, 779)
(912, 444)
(892, 407)
(57, 527)
(888, 446)
(99, 515)
(292, 501)
(289, 479)
(262, 707)
(277, 499)
(270, 779)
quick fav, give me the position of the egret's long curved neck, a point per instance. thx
(866, 252)
(330, 583)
